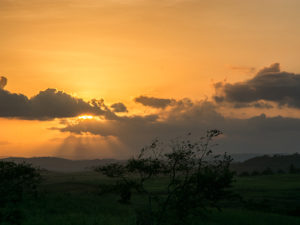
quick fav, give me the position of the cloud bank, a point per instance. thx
(253, 135)
(270, 87)
(126, 134)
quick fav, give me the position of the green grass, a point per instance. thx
(273, 193)
(71, 199)
(247, 217)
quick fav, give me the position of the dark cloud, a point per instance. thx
(57, 104)
(262, 105)
(135, 131)
(257, 134)
(3, 82)
(47, 105)
(119, 107)
(182, 115)
(13, 105)
(258, 104)
(154, 102)
(269, 84)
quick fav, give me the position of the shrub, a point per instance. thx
(293, 169)
(16, 180)
(196, 180)
(267, 171)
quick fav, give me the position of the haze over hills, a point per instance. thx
(61, 164)
(241, 162)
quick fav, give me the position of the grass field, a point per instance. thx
(73, 199)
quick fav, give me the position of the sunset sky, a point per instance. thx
(101, 78)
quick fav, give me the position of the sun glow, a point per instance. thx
(86, 117)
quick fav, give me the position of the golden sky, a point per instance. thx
(121, 49)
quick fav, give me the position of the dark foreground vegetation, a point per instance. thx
(74, 199)
(193, 180)
(185, 185)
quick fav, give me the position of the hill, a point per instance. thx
(274, 162)
(257, 163)
(60, 164)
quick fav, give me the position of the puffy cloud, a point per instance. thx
(47, 105)
(3, 82)
(154, 102)
(57, 104)
(13, 105)
(119, 107)
(269, 84)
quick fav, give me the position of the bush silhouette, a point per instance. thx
(267, 171)
(293, 169)
(16, 180)
(195, 179)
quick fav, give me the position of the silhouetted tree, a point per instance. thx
(267, 171)
(293, 169)
(195, 180)
(16, 180)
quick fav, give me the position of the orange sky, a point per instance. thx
(120, 49)
(116, 50)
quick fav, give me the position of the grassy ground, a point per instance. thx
(71, 199)
(272, 193)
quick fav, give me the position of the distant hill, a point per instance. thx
(274, 162)
(67, 165)
(241, 157)
(241, 163)
(60, 164)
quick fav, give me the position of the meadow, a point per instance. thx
(74, 199)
